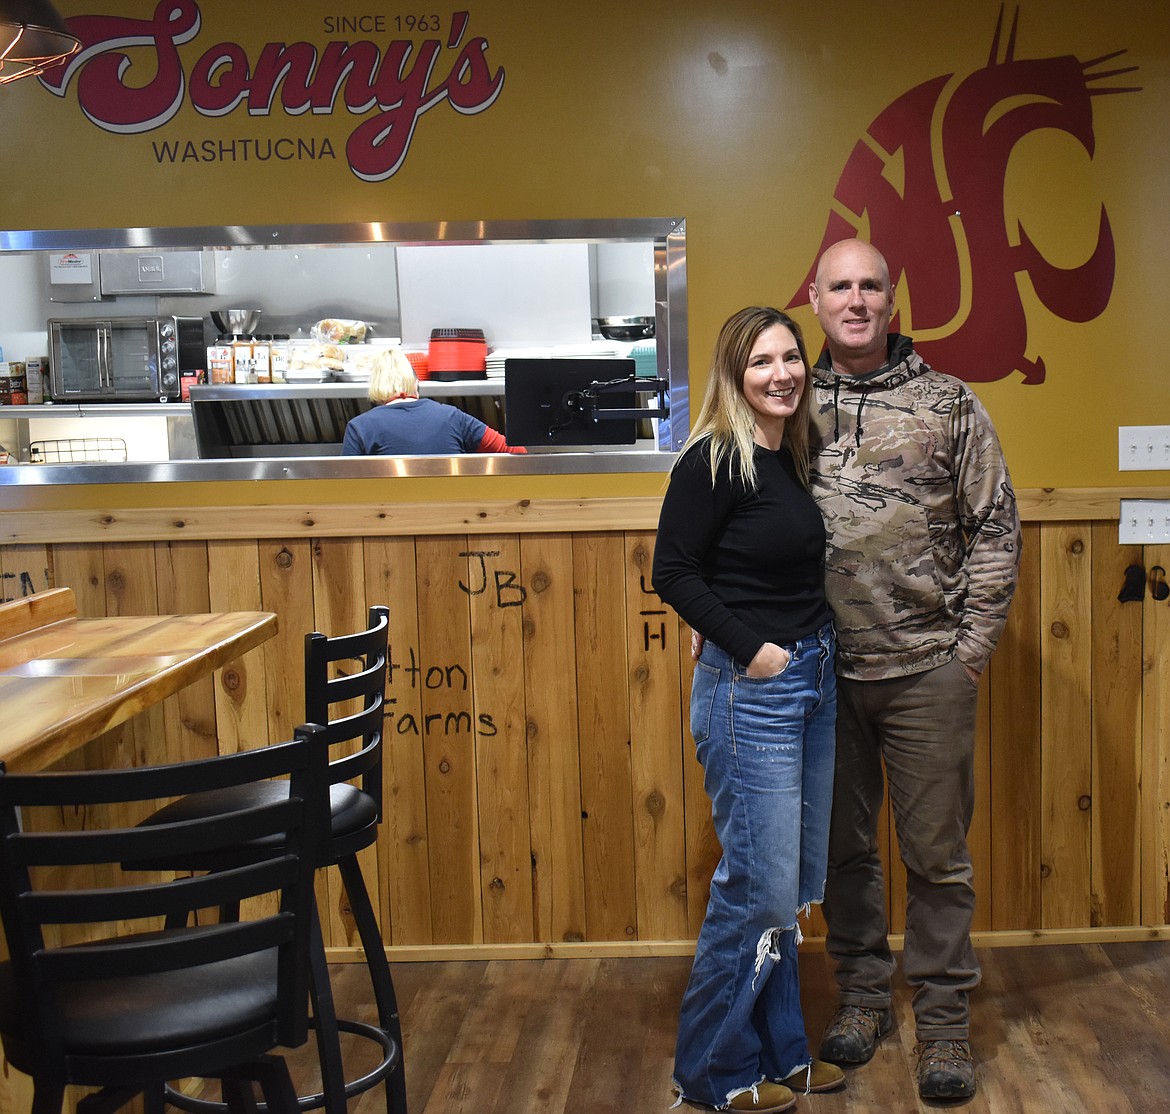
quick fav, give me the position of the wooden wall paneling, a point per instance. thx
(1072, 813)
(339, 607)
(280, 573)
(1014, 883)
(603, 711)
(1117, 734)
(285, 576)
(702, 846)
(82, 568)
(551, 744)
(241, 692)
(656, 744)
(24, 571)
(445, 575)
(501, 751)
(286, 588)
(189, 715)
(1156, 750)
(443, 516)
(340, 520)
(1066, 711)
(339, 595)
(404, 876)
(979, 835)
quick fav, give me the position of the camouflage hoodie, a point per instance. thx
(923, 535)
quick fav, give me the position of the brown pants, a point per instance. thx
(922, 728)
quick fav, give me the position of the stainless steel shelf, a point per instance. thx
(251, 392)
(96, 410)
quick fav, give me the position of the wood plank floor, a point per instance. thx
(1056, 1028)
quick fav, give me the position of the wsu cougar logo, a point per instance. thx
(938, 217)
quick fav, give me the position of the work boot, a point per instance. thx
(852, 1034)
(945, 1070)
(763, 1098)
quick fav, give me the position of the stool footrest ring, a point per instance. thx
(391, 1054)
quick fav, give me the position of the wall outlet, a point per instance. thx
(1143, 447)
(1144, 522)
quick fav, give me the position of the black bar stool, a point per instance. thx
(128, 1011)
(355, 812)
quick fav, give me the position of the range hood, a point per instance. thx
(157, 272)
(93, 276)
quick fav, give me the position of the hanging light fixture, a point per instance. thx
(33, 37)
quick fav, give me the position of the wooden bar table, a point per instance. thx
(65, 680)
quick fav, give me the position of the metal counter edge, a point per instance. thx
(334, 467)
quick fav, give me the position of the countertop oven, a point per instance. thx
(123, 358)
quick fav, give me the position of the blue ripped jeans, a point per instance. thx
(766, 747)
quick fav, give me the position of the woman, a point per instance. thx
(740, 556)
(402, 424)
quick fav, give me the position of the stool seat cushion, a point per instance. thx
(350, 810)
(142, 1013)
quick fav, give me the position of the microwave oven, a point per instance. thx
(123, 358)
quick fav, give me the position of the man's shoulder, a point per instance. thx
(922, 380)
(932, 374)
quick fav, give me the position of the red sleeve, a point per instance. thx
(493, 442)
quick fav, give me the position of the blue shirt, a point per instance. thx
(417, 426)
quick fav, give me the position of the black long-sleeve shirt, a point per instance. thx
(741, 567)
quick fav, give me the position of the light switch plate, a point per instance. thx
(1143, 447)
(1144, 522)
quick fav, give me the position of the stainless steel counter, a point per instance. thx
(551, 463)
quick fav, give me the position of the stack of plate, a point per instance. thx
(589, 350)
(496, 358)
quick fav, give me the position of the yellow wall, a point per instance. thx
(739, 117)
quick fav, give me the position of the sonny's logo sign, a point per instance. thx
(131, 79)
(938, 216)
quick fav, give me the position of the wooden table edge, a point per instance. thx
(76, 731)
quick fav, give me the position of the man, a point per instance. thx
(923, 551)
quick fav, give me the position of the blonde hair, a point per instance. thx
(392, 376)
(727, 418)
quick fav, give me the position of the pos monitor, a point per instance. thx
(553, 402)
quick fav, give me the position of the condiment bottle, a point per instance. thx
(244, 372)
(219, 361)
(262, 358)
(280, 344)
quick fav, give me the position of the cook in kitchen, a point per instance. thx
(402, 424)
